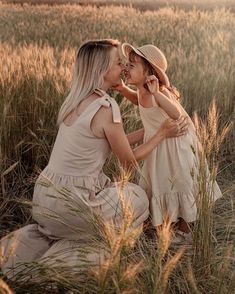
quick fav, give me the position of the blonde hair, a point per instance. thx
(133, 57)
(92, 63)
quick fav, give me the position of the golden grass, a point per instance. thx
(4, 288)
(142, 5)
(37, 49)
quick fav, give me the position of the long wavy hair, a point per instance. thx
(92, 63)
(133, 57)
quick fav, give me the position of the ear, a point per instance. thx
(146, 72)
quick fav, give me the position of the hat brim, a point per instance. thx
(127, 48)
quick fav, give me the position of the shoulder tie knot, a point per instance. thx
(106, 101)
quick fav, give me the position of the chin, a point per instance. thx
(129, 81)
(132, 83)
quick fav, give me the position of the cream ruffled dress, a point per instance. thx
(167, 173)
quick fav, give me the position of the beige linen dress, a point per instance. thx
(67, 195)
(167, 171)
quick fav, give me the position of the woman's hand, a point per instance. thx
(175, 128)
(152, 84)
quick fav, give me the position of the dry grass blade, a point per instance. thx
(9, 169)
(4, 288)
(36, 67)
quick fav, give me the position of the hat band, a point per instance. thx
(142, 53)
(148, 59)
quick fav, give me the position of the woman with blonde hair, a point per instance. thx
(90, 126)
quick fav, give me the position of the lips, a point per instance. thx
(127, 75)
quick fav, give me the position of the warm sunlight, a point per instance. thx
(117, 146)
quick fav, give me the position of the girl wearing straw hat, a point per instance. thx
(167, 171)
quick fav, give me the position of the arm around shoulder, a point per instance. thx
(117, 139)
(120, 146)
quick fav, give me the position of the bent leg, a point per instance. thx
(119, 197)
(22, 246)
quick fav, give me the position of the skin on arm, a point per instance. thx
(164, 99)
(170, 128)
(136, 136)
(168, 105)
(127, 92)
(120, 146)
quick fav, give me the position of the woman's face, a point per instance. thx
(134, 73)
(113, 75)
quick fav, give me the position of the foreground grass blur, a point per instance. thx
(38, 46)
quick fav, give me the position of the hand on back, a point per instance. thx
(175, 128)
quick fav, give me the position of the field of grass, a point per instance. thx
(37, 49)
(142, 5)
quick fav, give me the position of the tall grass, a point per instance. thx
(4, 288)
(134, 264)
(195, 43)
(35, 58)
(122, 249)
(37, 49)
(210, 141)
(142, 5)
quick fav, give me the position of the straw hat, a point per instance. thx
(153, 55)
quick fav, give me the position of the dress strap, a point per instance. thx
(154, 103)
(106, 101)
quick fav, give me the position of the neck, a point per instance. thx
(105, 86)
(143, 91)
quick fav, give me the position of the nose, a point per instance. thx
(128, 67)
(126, 71)
(123, 66)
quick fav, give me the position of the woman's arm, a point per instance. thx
(136, 136)
(170, 128)
(142, 151)
(118, 141)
